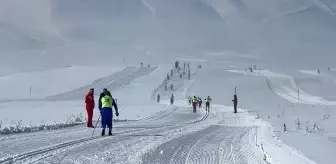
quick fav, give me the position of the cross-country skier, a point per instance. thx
(105, 106)
(172, 99)
(207, 103)
(235, 102)
(194, 103)
(200, 102)
(189, 100)
(158, 98)
(89, 104)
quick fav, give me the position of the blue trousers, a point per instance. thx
(107, 117)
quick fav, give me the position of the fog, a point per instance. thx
(63, 32)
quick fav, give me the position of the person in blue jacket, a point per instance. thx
(105, 106)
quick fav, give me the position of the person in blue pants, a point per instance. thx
(105, 106)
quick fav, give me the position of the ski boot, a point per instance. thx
(103, 132)
(110, 133)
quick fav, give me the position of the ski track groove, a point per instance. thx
(53, 148)
(9, 149)
(163, 128)
(215, 144)
(67, 145)
(193, 147)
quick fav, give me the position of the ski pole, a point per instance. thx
(94, 128)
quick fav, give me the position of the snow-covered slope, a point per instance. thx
(268, 28)
(53, 51)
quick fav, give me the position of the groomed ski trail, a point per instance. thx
(133, 131)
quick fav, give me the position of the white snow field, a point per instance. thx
(53, 51)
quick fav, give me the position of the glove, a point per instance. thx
(117, 114)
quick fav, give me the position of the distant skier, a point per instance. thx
(172, 86)
(171, 72)
(105, 106)
(318, 71)
(89, 104)
(194, 103)
(167, 76)
(158, 98)
(200, 102)
(235, 103)
(189, 100)
(207, 103)
(172, 99)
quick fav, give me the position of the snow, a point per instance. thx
(51, 56)
(310, 72)
(50, 82)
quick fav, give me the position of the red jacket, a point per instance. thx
(89, 101)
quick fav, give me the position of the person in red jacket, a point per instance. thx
(90, 105)
(235, 102)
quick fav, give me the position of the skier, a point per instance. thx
(235, 102)
(176, 64)
(167, 76)
(158, 98)
(200, 102)
(89, 104)
(172, 99)
(172, 86)
(194, 103)
(207, 103)
(189, 100)
(105, 106)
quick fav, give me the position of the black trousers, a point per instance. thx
(235, 108)
(207, 106)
